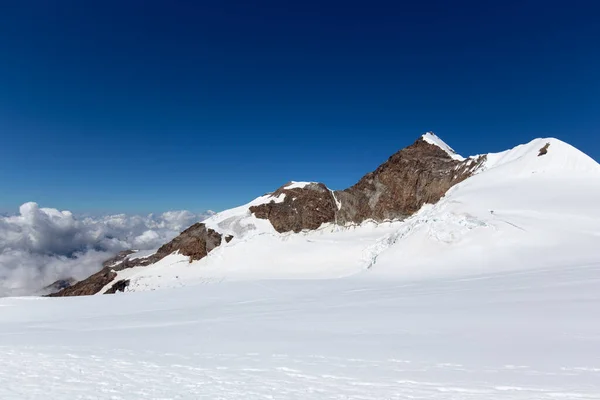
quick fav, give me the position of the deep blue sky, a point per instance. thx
(138, 106)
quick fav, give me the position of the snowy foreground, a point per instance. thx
(492, 293)
(516, 335)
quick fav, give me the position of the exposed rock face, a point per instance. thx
(119, 286)
(421, 173)
(302, 208)
(59, 285)
(196, 242)
(122, 255)
(544, 150)
(89, 286)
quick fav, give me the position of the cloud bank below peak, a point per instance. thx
(41, 245)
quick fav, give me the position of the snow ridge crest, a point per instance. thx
(433, 139)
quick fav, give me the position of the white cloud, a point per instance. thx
(42, 245)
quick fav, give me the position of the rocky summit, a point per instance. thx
(421, 173)
(418, 174)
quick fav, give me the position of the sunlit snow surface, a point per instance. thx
(493, 293)
(521, 335)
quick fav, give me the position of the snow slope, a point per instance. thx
(520, 335)
(519, 212)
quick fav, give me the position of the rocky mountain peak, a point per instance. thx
(418, 174)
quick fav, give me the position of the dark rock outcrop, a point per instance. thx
(196, 242)
(419, 174)
(122, 255)
(58, 285)
(302, 208)
(119, 286)
(544, 150)
(89, 286)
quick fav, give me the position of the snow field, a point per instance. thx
(513, 335)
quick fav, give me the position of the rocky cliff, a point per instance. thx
(421, 173)
(58, 285)
(304, 207)
(91, 285)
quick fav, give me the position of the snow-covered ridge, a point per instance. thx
(494, 219)
(239, 221)
(431, 138)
